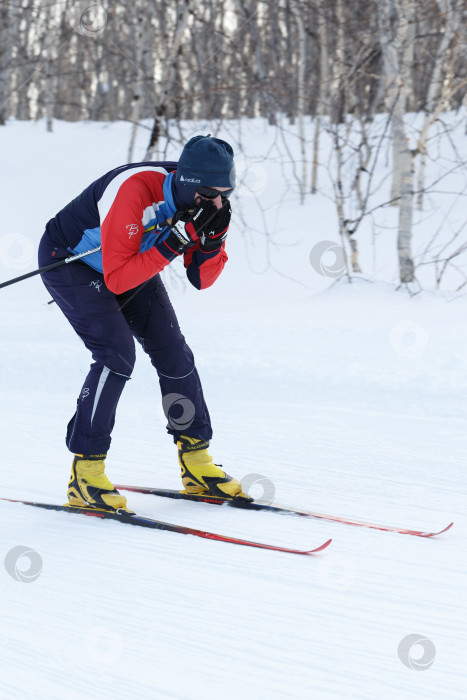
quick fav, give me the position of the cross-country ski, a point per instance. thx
(143, 521)
(274, 508)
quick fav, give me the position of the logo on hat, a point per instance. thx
(189, 179)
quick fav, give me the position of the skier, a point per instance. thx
(143, 215)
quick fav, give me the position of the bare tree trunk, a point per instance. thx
(400, 19)
(249, 45)
(138, 89)
(323, 97)
(301, 93)
(438, 88)
(338, 67)
(340, 196)
(7, 12)
(49, 94)
(169, 73)
(403, 170)
(25, 25)
(405, 37)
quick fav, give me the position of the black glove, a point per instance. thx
(188, 226)
(215, 232)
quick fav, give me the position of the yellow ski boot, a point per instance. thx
(90, 488)
(199, 473)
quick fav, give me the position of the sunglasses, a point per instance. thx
(212, 193)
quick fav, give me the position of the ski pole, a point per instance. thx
(50, 267)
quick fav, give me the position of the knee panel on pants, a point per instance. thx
(175, 361)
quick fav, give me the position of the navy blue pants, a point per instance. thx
(107, 324)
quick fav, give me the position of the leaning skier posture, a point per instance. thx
(143, 215)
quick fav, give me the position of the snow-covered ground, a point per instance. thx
(349, 399)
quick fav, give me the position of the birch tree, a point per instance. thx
(441, 87)
(7, 12)
(140, 43)
(301, 101)
(323, 94)
(168, 76)
(402, 166)
(49, 95)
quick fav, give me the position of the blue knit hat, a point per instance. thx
(206, 161)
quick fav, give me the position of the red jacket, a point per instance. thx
(131, 207)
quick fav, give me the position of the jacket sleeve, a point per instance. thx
(125, 267)
(202, 269)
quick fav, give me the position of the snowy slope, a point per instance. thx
(350, 400)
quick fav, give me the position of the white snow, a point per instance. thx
(350, 399)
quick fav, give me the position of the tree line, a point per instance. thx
(92, 59)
